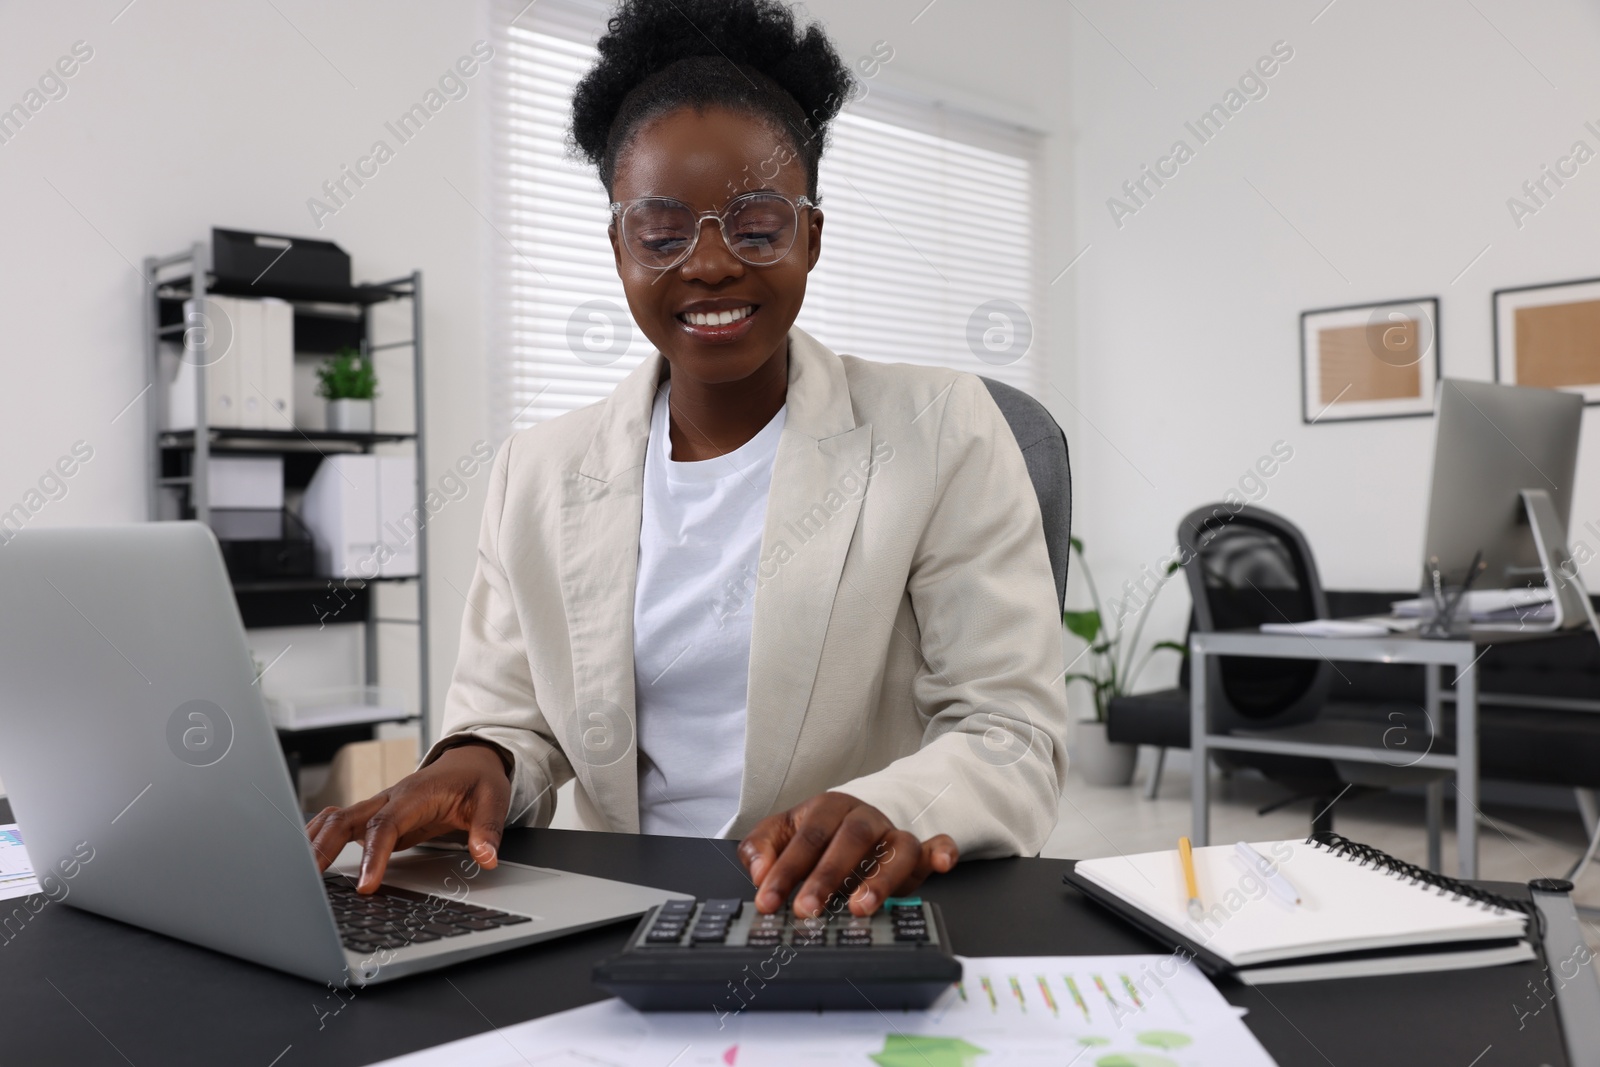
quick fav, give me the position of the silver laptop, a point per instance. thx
(147, 777)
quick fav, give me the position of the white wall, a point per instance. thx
(193, 114)
(1387, 147)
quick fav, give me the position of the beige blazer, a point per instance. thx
(905, 643)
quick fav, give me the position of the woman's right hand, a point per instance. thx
(466, 788)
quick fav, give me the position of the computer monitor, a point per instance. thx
(1491, 442)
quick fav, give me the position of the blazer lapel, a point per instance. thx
(810, 523)
(601, 511)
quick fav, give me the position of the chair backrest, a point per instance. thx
(1246, 567)
(1044, 450)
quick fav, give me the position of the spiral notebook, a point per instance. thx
(1362, 912)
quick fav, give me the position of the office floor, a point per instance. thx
(1098, 821)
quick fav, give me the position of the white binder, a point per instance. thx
(276, 379)
(357, 503)
(341, 511)
(217, 325)
(246, 357)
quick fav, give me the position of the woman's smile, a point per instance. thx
(718, 322)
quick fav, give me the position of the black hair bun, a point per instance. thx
(750, 55)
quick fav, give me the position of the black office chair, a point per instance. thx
(1044, 449)
(1245, 568)
(1249, 567)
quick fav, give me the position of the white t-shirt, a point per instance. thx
(699, 547)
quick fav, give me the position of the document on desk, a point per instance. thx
(1329, 628)
(16, 870)
(1093, 1011)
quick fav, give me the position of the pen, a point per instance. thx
(1197, 910)
(1269, 874)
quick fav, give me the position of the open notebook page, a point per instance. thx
(1344, 907)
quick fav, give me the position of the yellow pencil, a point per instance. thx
(1197, 910)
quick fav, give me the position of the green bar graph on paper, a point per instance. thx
(1077, 997)
(1049, 998)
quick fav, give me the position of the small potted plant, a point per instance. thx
(348, 383)
(1114, 666)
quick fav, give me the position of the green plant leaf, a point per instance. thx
(1177, 646)
(347, 376)
(1085, 625)
(1077, 544)
(1174, 567)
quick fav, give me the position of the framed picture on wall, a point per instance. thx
(1549, 336)
(1369, 361)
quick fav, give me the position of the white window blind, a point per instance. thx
(929, 253)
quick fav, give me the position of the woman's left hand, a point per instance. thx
(838, 844)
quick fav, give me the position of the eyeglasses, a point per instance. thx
(660, 232)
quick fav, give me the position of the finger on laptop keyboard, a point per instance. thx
(384, 828)
(333, 828)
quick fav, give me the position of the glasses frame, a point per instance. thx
(721, 217)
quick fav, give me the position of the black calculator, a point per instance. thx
(722, 955)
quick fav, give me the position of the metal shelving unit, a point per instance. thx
(170, 280)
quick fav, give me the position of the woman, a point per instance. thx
(763, 590)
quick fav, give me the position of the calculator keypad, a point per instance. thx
(910, 924)
(693, 954)
(725, 923)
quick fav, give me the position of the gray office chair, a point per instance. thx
(1044, 450)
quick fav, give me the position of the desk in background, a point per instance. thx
(78, 989)
(1461, 654)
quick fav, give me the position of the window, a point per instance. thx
(929, 250)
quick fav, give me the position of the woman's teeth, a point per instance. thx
(717, 318)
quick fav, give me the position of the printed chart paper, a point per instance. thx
(1084, 1011)
(16, 870)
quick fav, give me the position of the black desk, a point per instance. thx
(81, 990)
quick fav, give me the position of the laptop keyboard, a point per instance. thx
(394, 918)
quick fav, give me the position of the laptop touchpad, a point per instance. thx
(454, 875)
